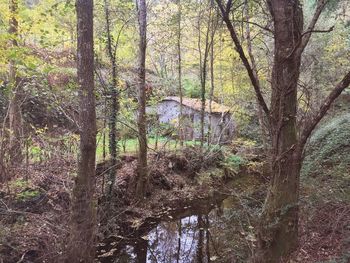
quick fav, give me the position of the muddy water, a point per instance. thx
(201, 237)
(213, 230)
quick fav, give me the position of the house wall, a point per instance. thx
(222, 126)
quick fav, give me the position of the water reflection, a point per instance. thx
(211, 230)
(190, 239)
(184, 240)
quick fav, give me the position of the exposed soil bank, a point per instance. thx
(153, 236)
(178, 184)
(34, 214)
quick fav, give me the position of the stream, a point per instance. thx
(202, 233)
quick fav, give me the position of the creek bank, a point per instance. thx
(34, 213)
(180, 188)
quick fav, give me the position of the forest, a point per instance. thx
(175, 131)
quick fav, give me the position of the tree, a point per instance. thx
(81, 244)
(142, 173)
(214, 20)
(210, 28)
(178, 45)
(264, 131)
(278, 230)
(15, 115)
(113, 101)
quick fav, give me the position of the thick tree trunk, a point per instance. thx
(83, 222)
(142, 174)
(278, 230)
(278, 233)
(15, 115)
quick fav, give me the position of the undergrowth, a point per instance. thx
(327, 160)
(329, 148)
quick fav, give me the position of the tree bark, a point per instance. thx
(142, 174)
(181, 133)
(113, 105)
(15, 114)
(212, 81)
(278, 230)
(200, 245)
(83, 220)
(278, 233)
(203, 64)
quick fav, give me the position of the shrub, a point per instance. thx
(232, 163)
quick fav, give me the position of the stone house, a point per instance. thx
(220, 118)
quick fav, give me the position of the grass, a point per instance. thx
(131, 145)
(70, 146)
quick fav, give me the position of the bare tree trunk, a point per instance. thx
(81, 243)
(104, 132)
(181, 133)
(15, 115)
(142, 174)
(113, 104)
(212, 81)
(203, 66)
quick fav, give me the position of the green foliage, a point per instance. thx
(19, 184)
(22, 189)
(27, 194)
(42, 146)
(234, 160)
(242, 142)
(233, 163)
(191, 88)
(328, 152)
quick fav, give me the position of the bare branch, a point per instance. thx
(319, 31)
(228, 6)
(342, 85)
(255, 24)
(306, 36)
(253, 78)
